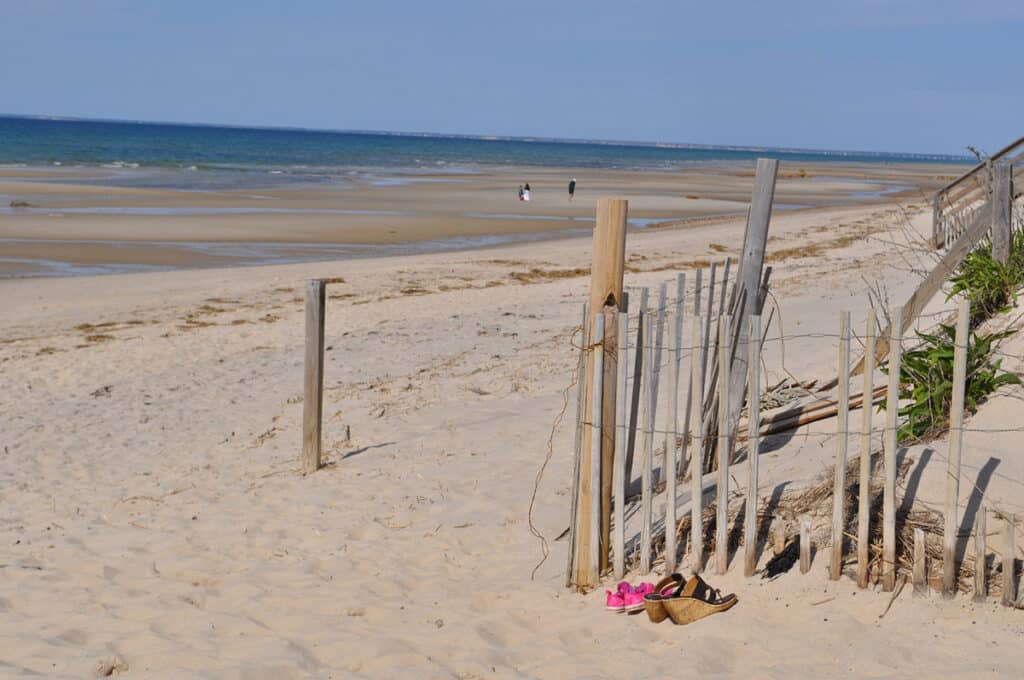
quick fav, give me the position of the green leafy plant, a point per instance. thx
(990, 285)
(926, 379)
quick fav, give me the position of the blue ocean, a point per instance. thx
(238, 157)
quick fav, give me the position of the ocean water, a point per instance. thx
(206, 156)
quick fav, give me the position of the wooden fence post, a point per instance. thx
(1002, 209)
(746, 290)
(635, 416)
(753, 444)
(594, 470)
(606, 274)
(313, 377)
(920, 574)
(724, 430)
(1009, 563)
(956, 436)
(805, 545)
(647, 461)
(842, 429)
(669, 464)
(581, 381)
(889, 477)
(696, 448)
(864, 501)
(621, 432)
(980, 582)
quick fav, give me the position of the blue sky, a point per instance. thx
(903, 75)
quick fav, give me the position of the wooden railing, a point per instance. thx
(957, 204)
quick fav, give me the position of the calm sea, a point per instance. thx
(205, 156)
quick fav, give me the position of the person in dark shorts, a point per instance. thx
(572, 188)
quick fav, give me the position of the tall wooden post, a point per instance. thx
(1002, 209)
(606, 273)
(313, 376)
(864, 501)
(671, 427)
(619, 473)
(753, 444)
(956, 438)
(696, 446)
(748, 277)
(842, 430)
(724, 448)
(892, 405)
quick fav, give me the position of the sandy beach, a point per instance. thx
(156, 523)
(68, 220)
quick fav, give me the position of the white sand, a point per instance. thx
(154, 516)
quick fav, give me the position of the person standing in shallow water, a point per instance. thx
(572, 188)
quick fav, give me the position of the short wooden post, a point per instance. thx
(1002, 210)
(647, 487)
(956, 436)
(724, 430)
(696, 450)
(753, 444)
(805, 545)
(596, 418)
(1009, 564)
(671, 427)
(621, 432)
(889, 481)
(980, 581)
(313, 378)
(864, 500)
(608, 265)
(920, 570)
(581, 381)
(842, 430)
(779, 538)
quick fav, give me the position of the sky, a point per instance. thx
(926, 76)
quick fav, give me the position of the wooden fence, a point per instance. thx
(878, 541)
(986, 191)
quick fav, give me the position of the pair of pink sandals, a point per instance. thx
(628, 598)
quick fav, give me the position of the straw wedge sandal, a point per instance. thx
(702, 601)
(673, 586)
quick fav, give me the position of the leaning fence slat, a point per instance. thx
(724, 429)
(313, 376)
(670, 448)
(980, 584)
(576, 453)
(920, 575)
(1002, 209)
(1009, 563)
(696, 428)
(956, 436)
(619, 472)
(678, 358)
(595, 448)
(646, 487)
(753, 444)
(708, 316)
(889, 489)
(842, 430)
(659, 344)
(864, 500)
(635, 414)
